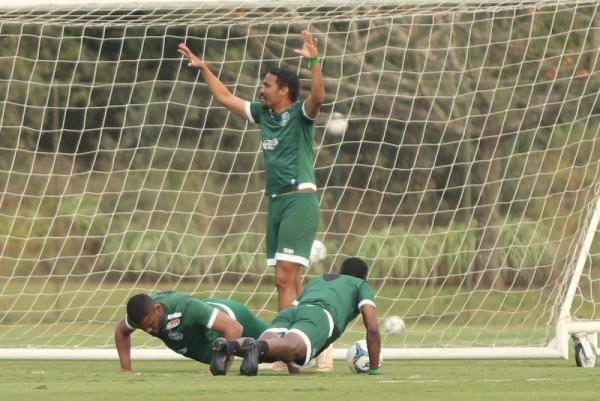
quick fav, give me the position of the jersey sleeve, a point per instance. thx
(365, 295)
(305, 118)
(129, 323)
(254, 111)
(201, 313)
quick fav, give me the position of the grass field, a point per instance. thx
(401, 380)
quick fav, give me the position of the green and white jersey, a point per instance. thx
(339, 294)
(287, 143)
(186, 328)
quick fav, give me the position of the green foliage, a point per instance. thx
(447, 254)
(113, 157)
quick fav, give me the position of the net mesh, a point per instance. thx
(466, 175)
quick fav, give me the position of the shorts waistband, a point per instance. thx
(295, 192)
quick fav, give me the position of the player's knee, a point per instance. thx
(284, 282)
(298, 351)
(285, 276)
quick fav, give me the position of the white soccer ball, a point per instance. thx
(318, 252)
(357, 357)
(338, 124)
(394, 324)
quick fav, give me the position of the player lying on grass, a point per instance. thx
(185, 324)
(297, 334)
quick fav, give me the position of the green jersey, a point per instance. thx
(287, 143)
(341, 295)
(186, 327)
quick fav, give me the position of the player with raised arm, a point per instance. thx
(185, 324)
(287, 133)
(297, 334)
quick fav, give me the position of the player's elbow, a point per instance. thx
(239, 329)
(234, 331)
(318, 99)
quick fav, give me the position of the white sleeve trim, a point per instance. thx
(249, 113)
(307, 185)
(127, 324)
(226, 308)
(304, 112)
(366, 302)
(213, 317)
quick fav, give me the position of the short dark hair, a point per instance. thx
(287, 78)
(355, 267)
(138, 307)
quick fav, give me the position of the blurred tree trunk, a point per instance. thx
(595, 44)
(486, 180)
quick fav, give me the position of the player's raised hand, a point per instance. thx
(193, 60)
(310, 46)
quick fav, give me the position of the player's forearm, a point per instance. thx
(317, 87)
(233, 331)
(123, 344)
(216, 87)
(374, 346)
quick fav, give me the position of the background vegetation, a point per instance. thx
(470, 160)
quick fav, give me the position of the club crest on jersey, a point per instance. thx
(270, 144)
(285, 117)
(176, 336)
(173, 323)
(182, 351)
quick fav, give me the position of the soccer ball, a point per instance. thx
(357, 357)
(318, 252)
(394, 324)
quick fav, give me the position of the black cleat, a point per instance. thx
(249, 365)
(218, 361)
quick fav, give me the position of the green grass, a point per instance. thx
(401, 380)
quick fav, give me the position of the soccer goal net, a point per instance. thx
(457, 152)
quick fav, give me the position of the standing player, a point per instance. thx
(325, 307)
(287, 131)
(185, 324)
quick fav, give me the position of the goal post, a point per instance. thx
(457, 152)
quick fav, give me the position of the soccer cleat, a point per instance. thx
(249, 365)
(218, 360)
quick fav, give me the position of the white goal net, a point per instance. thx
(465, 169)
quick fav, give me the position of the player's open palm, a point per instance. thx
(193, 60)
(310, 46)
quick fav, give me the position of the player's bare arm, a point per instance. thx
(232, 103)
(373, 337)
(228, 327)
(123, 344)
(313, 103)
